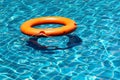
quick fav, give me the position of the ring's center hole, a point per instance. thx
(48, 25)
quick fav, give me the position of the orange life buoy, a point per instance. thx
(69, 26)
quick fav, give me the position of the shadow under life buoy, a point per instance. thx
(74, 40)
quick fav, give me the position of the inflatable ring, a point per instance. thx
(27, 27)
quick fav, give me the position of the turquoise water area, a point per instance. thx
(91, 52)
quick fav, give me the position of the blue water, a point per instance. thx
(92, 52)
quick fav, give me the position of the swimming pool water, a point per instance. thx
(92, 52)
